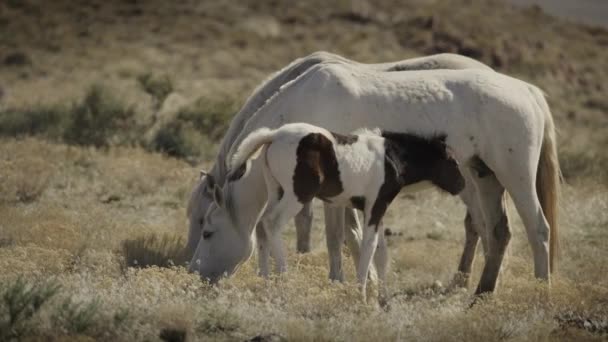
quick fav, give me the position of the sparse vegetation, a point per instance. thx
(92, 216)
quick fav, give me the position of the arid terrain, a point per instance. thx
(108, 109)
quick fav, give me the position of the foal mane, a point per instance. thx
(367, 131)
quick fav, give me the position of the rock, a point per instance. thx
(263, 26)
(17, 59)
(173, 335)
(267, 338)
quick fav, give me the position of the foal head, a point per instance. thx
(444, 172)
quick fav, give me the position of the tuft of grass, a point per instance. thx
(20, 302)
(154, 250)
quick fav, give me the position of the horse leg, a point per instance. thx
(263, 250)
(303, 222)
(491, 202)
(471, 226)
(524, 195)
(334, 236)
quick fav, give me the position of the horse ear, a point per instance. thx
(211, 184)
(218, 196)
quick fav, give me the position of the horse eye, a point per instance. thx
(201, 221)
(207, 234)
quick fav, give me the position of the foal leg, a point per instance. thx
(491, 201)
(381, 261)
(275, 218)
(354, 235)
(368, 247)
(334, 234)
(303, 222)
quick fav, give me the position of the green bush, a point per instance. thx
(46, 121)
(77, 318)
(157, 86)
(179, 139)
(100, 120)
(20, 302)
(210, 118)
(194, 130)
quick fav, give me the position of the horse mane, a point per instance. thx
(229, 200)
(259, 98)
(195, 197)
(271, 100)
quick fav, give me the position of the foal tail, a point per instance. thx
(250, 145)
(548, 177)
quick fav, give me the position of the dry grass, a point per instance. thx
(83, 245)
(72, 217)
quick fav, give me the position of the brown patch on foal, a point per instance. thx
(316, 173)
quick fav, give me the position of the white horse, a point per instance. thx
(335, 218)
(365, 171)
(499, 129)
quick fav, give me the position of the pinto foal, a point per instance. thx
(365, 171)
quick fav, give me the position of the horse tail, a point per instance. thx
(548, 177)
(250, 145)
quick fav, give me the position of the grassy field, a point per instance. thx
(109, 108)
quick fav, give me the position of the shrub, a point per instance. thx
(154, 250)
(193, 131)
(157, 86)
(210, 118)
(100, 120)
(77, 318)
(20, 302)
(47, 121)
(179, 139)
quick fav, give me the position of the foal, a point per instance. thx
(365, 171)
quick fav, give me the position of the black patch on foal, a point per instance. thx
(410, 159)
(316, 173)
(358, 202)
(345, 139)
